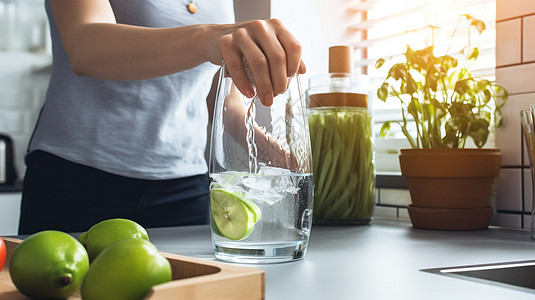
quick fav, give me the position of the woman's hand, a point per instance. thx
(271, 52)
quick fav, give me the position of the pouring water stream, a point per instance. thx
(249, 125)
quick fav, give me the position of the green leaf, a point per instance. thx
(398, 71)
(461, 115)
(487, 96)
(485, 115)
(382, 92)
(498, 118)
(440, 109)
(450, 139)
(385, 129)
(428, 111)
(467, 16)
(479, 131)
(500, 97)
(478, 25)
(432, 77)
(474, 54)
(379, 63)
(413, 87)
(420, 60)
(461, 87)
(409, 87)
(482, 84)
(447, 63)
(414, 108)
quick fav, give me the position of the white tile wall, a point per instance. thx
(507, 9)
(509, 137)
(507, 220)
(391, 203)
(528, 190)
(515, 61)
(392, 212)
(508, 187)
(528, 42)
(508, 36)
(527, 221)
(23, 82)
(517, 79)
(394, 197)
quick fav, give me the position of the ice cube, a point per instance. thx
(285, 184)
(281, 180)
(259, 189)
(269, 197)
(266, 170)
(270, 185)
(227, 180)
(257, 182)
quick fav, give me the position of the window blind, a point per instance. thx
(384, 29)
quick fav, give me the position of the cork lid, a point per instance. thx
(338, 99)
(340, 58)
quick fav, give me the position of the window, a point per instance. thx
(386, 27)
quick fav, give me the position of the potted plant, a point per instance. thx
(450, 185)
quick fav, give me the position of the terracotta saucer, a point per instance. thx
(450, 218)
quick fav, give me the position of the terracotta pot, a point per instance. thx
(450, 218)
(450, 179)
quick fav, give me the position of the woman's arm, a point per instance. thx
(99, 47)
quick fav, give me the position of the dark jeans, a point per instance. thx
(62, 195)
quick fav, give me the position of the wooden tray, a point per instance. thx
(193, 278)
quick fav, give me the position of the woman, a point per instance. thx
(122, 132)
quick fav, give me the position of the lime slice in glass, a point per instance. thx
(233, 218)
(252, 207)
(215, 229)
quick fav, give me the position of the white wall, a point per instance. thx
(317, 24)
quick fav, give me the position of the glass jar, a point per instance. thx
(342, 149)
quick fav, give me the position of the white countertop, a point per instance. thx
(379, 261)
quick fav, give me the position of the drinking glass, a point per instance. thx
(261, 185)
(528, 128)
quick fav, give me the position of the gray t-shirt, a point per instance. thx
(151, 129)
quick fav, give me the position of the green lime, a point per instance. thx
(107, 232)
(126, 270)
(214, 228)
(83, 238)
(250, 204)
(48, 265)
(233, 217)
(252, 207)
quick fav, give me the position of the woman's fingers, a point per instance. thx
(302, 68)
(258, 64)
(271, 52)
(233, 62)
(291, 47)
(267, 36)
